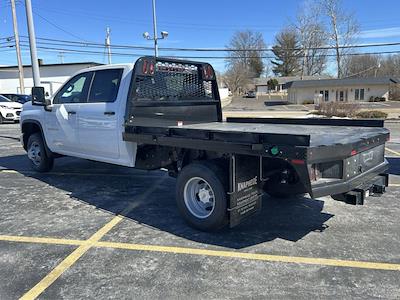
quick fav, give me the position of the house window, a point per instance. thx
(359, 94)
(324, 95)
(341, 95)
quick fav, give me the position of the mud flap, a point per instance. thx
(245, 185)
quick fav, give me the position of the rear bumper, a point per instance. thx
(351, 184)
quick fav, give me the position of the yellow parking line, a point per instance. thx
(392, 151)
(8, 171)
(41, 240)
(11, 171)
(94, 241)
(70, 260)
(254, 256)
(394, 184)
(82, 249)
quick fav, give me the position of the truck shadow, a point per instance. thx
(151, 194)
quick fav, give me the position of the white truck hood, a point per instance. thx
(11, 104)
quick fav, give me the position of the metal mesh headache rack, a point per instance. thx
(173, 82)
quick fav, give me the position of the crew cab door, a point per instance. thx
(98, 118)
(61, 124)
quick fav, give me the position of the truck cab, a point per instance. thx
(85, 116)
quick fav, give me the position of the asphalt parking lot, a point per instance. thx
(92, 230)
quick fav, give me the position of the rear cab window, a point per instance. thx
(105, 85)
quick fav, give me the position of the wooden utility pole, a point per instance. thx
(18, 49)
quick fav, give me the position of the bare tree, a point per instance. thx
(237, 77)
(287, 53)
(362, 66)
(249, 45)
(342, 29)
(390, 66)
(311, 35)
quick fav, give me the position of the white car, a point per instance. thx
(9, 110)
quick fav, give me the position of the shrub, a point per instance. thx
(337, 109)
(308, 102)
(372, 114)
(377, 99)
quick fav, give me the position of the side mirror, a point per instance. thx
(38, 96)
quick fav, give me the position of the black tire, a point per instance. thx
(40, 161)
(216, 178)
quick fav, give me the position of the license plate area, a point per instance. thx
(363, 161)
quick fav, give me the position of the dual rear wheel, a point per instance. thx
(201, 195)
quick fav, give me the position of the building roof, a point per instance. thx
(286, 79)
(341, 82)
(55, 65)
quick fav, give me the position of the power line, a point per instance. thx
(201, 57)
(86, 44)
(56, 26)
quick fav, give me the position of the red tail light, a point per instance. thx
(298, 161)
(208, 72)
(151, 68)
(144, 67)
(353, 152)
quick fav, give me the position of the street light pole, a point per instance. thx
(155, 29)
(155, 38)
(108, 44)
(32, 44)
(18, 49)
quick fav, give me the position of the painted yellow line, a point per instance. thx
(394, 184)
(94, 241)
(70, 260)
(254, 256)
(392, 151)
(41, 240)
(11, 171)
(82, 249)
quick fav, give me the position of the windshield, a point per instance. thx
(4, 99)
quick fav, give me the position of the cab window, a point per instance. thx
(105, 85)
(75, 90)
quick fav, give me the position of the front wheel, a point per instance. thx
(37, 155)
(201, 196)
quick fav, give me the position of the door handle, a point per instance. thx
(109, 113)
(72, 112)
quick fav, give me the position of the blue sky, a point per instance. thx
(202, 24)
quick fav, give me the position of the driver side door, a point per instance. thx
(61, 121)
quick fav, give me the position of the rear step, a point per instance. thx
(358, 195)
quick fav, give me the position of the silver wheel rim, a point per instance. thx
(34, 153)
(199, 197)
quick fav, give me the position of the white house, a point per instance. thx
(52, 76)
(347, 89)
(262, 83)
